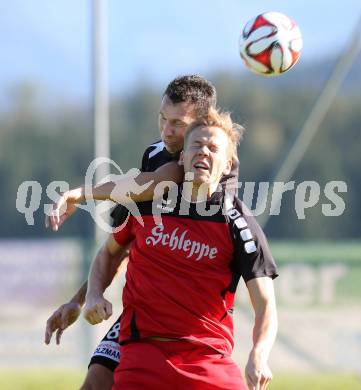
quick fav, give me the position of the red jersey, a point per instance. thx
(182, 274)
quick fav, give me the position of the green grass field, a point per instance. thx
(315, 382)
(41, 379)
(69, 380)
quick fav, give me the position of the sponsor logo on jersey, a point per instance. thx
(108, 349)
(179, 240)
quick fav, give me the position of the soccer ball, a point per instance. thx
(270, 44)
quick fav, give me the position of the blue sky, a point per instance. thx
(49, 41)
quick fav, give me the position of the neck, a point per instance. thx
(200, 192)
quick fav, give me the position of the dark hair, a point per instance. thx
(194, 89)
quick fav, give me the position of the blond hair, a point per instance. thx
(223, 121)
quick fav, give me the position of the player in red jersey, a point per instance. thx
(176, 326)
(185, 99)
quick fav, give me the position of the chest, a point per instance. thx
(185, 242)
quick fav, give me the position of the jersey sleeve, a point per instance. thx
(124, 234)
(119, 214)
(253, 257)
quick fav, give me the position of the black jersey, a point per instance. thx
(154, 157)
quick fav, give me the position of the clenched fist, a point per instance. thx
(97, 309)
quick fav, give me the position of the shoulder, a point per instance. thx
(154, 149)
(253, 255)
(245, 225)
(155, 156)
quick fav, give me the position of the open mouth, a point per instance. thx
(201, 165)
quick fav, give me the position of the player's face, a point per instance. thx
(206, 155)
(173, 122)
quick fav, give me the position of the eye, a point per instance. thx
(214, 148)
(180, 124)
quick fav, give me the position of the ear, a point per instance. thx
(181, 158)
(228, 168)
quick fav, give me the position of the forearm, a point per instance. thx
(79, 296)
(261, 292)
(265, 329)
(117, 190)
(80, 194)
(101, 273)
(105, 191)
(172, 173)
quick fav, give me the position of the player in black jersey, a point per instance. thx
(185, 99)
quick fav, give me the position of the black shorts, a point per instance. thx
(107, 352)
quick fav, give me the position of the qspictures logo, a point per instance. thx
(307, 194)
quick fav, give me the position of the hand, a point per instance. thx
(63, 208)
(63, 317)
(97, 309)
(258, 374)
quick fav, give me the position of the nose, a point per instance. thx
(203, 150)
(168, 129)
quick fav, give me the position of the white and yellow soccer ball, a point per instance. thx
(270, 44)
